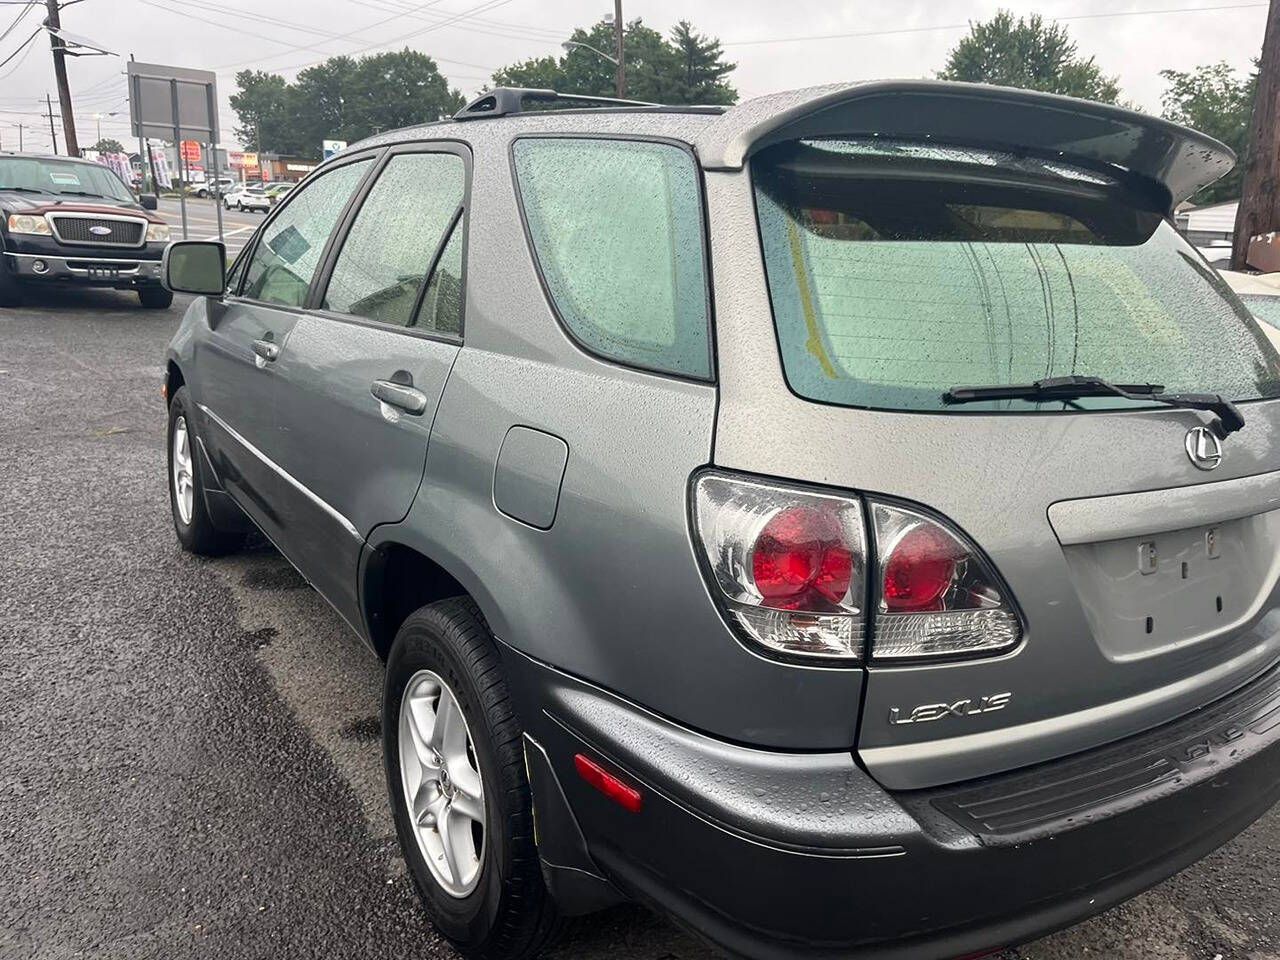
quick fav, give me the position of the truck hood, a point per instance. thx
(13, 202)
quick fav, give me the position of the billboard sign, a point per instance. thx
(173, 103)
(190, 152)
(330, 147)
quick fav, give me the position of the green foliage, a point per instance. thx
(1027, 53)
(1214, 100)
(341, 99)
(108, 145)
(688, 68)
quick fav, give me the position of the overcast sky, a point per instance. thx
(470, 38)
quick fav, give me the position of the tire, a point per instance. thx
(11, 294)
(507, 913)
(195, 531)
(240, 206)
(155, 298)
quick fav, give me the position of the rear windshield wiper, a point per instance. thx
(1229, 419)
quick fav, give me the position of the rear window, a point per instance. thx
(900, 270)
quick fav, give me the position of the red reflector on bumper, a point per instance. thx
(628, 798)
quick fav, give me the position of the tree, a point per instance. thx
(702, 66)
(108, 145)
(690, 68)
(1213, 100)
(343, 98)
(1027, 53)
(1259, 210)
(262, 105)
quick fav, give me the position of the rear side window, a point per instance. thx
(288, 251)
(898, 271)
(618, 235)
(405, 220)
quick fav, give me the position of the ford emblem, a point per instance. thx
(98, 231)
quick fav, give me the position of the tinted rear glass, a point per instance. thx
(899, 270)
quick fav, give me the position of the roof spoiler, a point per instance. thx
(969, 114)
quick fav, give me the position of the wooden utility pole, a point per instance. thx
(1259, 210)
(60, 74)
(52, 132)
(617, 48)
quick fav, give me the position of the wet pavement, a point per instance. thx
(189, 754)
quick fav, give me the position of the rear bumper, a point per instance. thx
(803, 855)
(106, 271)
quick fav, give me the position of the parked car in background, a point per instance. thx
(277, 191)
(252, 196)
(845, 521)
(71, 222)
(215, 188)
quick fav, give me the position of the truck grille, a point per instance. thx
(88, 230)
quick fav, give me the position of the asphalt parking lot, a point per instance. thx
(189, 755)
(202, 222)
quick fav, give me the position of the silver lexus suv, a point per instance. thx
(846, 522)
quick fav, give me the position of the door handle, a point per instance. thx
(266, 349)
(406, 398)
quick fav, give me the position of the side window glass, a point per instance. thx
(383, 263)
(442, 306)
(286, 256)
(237, 271)
(617, 230)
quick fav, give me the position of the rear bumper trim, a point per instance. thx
(752, 847)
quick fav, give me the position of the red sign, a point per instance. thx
(190, 151)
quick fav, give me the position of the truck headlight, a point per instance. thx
(157, 232)
(28, 223)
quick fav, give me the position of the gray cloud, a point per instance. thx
(1134, 47)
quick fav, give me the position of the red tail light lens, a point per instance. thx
(788, 564)
(920, 569)
(938, 595)
(627, 797)
(799, 553)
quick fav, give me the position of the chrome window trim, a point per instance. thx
(82, 215)
(304, 490)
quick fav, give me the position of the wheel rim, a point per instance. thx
(183, 479)
(443, 790)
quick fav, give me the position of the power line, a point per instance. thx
(34, 34)
(965, 26)
(462, 15)
(18, 19)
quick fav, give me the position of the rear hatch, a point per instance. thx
(1138, 552)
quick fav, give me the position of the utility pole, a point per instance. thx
(1259, 210)
(617, 47)
(52, 132)
(60, 74)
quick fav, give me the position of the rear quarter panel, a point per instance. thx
(612, 592)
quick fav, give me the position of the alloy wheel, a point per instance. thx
(443, 789)
(183, 478)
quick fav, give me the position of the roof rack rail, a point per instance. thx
(501, 101)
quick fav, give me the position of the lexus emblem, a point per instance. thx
(1204, 449)
(98, 231)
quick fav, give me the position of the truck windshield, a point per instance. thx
(50, 175)
(899, 270)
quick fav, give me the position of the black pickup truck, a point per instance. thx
(73, 222)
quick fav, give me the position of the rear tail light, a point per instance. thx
(938, 596)
(789, 564)
(791, 569)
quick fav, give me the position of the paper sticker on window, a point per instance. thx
(65, 179)
(289, 244)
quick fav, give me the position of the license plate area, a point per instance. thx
(104, 273)
(1148, 595)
